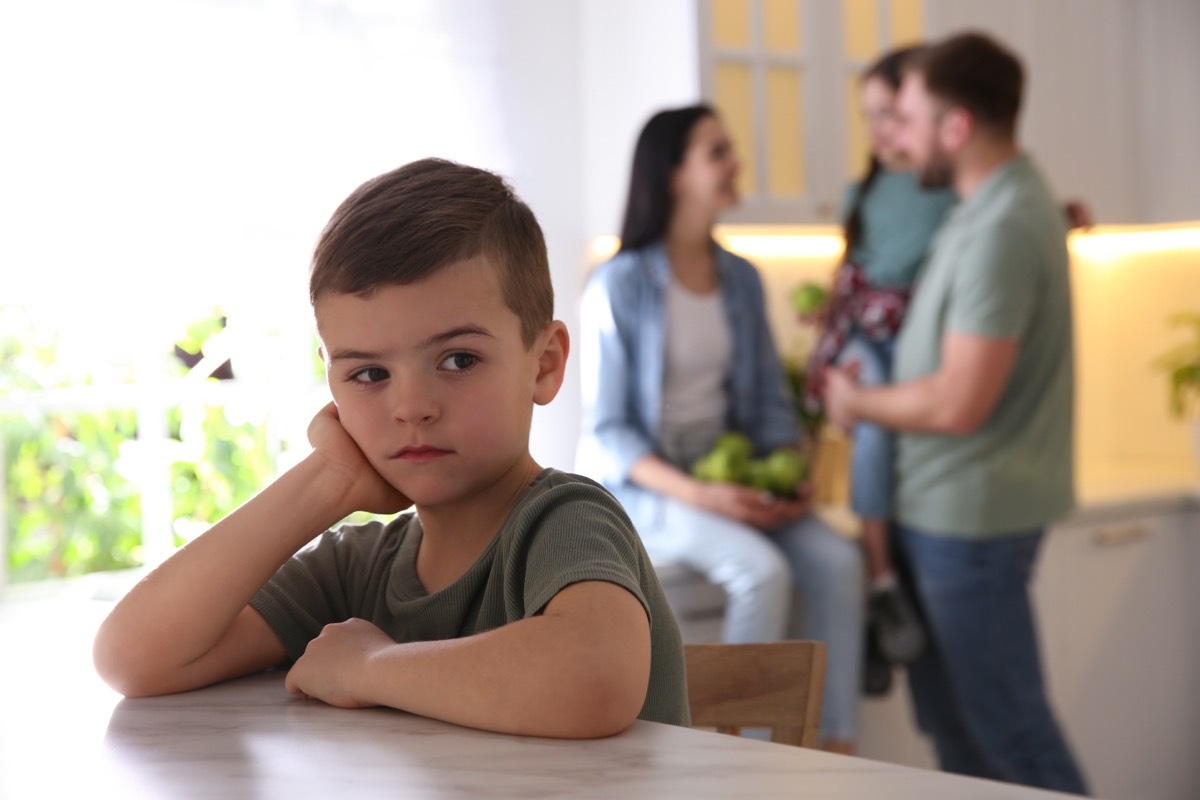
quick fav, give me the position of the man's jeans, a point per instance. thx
(978, 688)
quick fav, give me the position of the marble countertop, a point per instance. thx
(64, 734)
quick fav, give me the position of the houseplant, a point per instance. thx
(1182, 367)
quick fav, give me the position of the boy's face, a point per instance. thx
(433, 381)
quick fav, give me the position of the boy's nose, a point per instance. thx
(414, 404)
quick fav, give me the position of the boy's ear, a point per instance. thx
(554, 345)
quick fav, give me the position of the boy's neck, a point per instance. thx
(454, 535)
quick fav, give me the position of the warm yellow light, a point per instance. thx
(782, 241)
(1108, 243)
(1100, 245)
(793, 246)
(604, 247)
(754, 241)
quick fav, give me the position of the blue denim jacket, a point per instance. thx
(622, 353)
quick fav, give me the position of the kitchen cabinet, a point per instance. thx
(784, 76)
(1117, 600)
(1110, 110)
(1116, 593)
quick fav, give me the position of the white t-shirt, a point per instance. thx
(699, 352)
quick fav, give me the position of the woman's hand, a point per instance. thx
(753, 507)
(365, 489)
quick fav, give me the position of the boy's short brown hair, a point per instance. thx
(404, 225)
(975, 72)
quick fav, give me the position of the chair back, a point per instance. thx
(775, 685)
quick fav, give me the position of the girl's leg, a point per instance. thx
(893, 619)
(872, 459)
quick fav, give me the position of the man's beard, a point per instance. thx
(938, 171)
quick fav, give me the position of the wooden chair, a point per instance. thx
(775, 685)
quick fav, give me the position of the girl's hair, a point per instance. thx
(659, 150)
(889, 69)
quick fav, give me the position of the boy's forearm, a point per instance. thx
(184, 607)
(522, 679)
(547, 675)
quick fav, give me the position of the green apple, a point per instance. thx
(785, 469)
(736, 444)
(758, 475)
(724, 466)
(809, 298)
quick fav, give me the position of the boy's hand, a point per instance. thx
(366, 489)
(331, 661)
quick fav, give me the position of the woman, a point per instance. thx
(675, 351)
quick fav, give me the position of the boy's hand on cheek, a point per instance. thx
(327, 671)
(366, 490)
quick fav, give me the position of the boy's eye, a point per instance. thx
(457, 362)
(369, 375)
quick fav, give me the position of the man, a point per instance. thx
(983, 399)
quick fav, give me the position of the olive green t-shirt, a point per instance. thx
(563, 530)
(997, 268)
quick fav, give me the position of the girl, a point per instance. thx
(888, 227)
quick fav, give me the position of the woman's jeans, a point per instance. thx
(758, 572)
(873, 456)
(978, 689)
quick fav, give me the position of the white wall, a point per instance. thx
(1112, 112)
(578, 81)
(638, 57)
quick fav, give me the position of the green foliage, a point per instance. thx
(71, 501)
(68, 508)
(1182, 366)
(235, 462)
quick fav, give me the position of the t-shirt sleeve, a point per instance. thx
(579, 533)
(996, 284)
(307, 593)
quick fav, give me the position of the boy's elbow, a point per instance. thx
(609, 707)
(123, 666)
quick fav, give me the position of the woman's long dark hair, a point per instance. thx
(659, 150)
(890, 69)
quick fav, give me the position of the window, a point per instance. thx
(783, 74)
(167, 165)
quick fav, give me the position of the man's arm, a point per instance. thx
(578, 670)
(188, 623)
(957, 399)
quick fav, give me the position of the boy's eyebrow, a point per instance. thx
(454, 333)
(347, 354)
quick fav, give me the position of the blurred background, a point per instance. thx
(166, 166)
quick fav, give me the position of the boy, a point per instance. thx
(515, 599)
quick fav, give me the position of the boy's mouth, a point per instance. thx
(420, 454)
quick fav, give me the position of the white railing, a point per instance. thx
(156, 450)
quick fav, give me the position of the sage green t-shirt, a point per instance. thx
(563, 530)
(997, 268)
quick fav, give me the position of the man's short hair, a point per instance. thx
(975, 72)
(404, 225)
